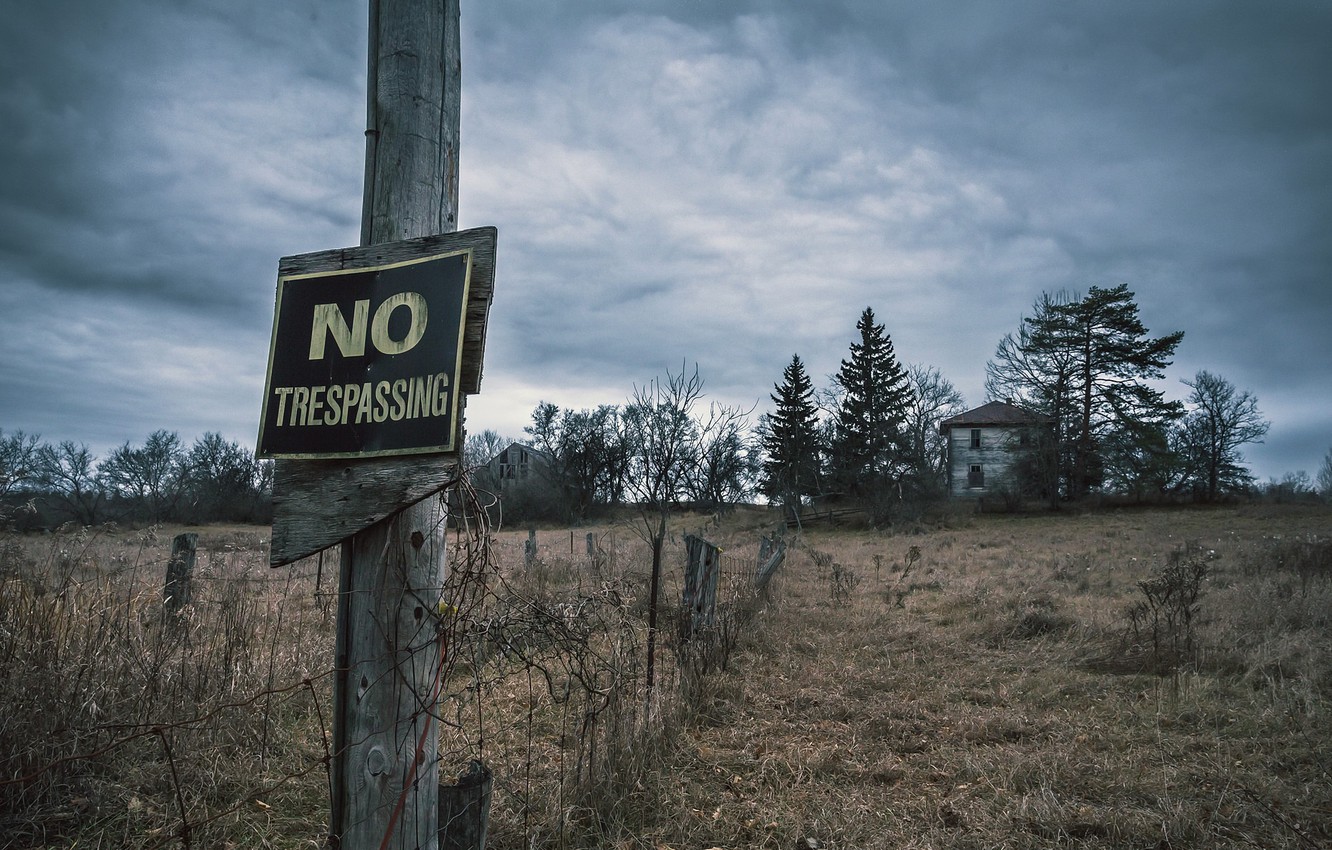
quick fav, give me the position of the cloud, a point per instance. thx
(724, 183)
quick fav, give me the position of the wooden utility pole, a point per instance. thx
(385, 772)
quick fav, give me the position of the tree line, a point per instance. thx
(870, 438)
(1085, 364)
(161, 480)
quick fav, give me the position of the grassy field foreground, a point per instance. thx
(998, 695)
(1130, 678)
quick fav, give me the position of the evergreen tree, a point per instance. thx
(869, 433)
(1040, 380)
(791, 445)
(1083, 362)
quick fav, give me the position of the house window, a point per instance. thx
(975, 438)
(975, 476)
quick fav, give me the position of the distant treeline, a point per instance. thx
(162, 480)
(1082, 366)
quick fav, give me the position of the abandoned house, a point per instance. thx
(984, 446)
(516, 464)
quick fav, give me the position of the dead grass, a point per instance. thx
(984, 692)
(983, 713)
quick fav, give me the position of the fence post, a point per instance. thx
(772, 551)
(180, 569)
(700, 588)
(385, 771)
(530, 549)
(464, 809)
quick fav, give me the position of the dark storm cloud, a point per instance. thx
(720, 182)
(160, 157)
(945, 164)
(132, 127)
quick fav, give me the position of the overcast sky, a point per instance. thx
(700, 181)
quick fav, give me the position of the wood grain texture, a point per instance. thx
(385, 772)
(389, 661)
(319, 503)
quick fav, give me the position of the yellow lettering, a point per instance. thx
(299, 399)
(418, 399)
(328, 319)
(379, 332)
(333, 416)
(282, 393)
(316, 404)
(381, 401)
(363, 409)
(439, 404)
(399, 403)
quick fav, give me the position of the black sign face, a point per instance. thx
(364, 362)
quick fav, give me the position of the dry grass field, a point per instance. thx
(1121, 678)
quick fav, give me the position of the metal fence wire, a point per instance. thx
(127, 722)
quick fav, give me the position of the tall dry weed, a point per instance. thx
(115, 710)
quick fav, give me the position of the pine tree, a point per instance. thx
(869, 430)
(792, 448)
(1083, 362)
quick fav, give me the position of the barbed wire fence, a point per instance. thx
(122, 724)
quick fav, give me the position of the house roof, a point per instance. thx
(994, 413)
(532, 451)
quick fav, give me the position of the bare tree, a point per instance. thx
(18, 461)
(586, 454)
(224, 479)
(1222, 420)
(661, 438)
(152, 477)
(934, 399)
(68, 474)
(1325, 476)
(727, 462)
(481, 447)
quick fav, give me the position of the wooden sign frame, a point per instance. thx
(317, 503)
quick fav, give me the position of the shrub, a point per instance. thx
(1165, 618)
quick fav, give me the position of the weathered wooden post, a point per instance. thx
(530, 549)
(180, 569)
(700, 585)
(772, 552)
(464, 809)
(373, 350)
(387, 760)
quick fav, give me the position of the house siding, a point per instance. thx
(515, 464)
(994, 457)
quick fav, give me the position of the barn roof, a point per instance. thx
(994, 413)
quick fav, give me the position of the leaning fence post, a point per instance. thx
(701, 575)
(180, 569)
(464, 809)
(772, 551)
